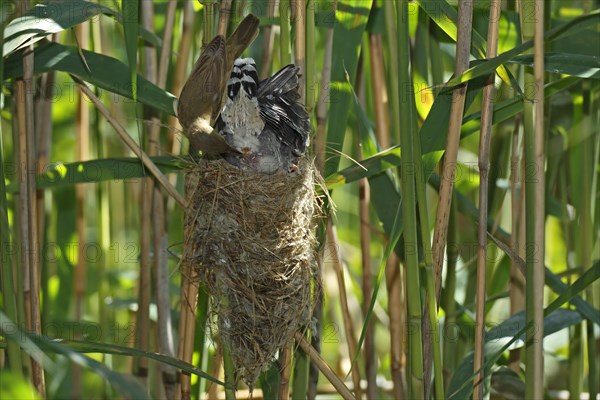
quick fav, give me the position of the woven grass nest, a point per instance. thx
(250, 238)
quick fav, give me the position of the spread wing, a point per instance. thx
(288, 119)
(201, 95)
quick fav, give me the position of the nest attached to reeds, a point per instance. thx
(251, 239)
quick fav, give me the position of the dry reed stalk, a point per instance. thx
(311, 97)
(26, 245)
(162, 287)
(187, 320)
(10, 266)
(347, 318)
(463, 47)
(82, 136)
(31, 210)
(165, 54)
(43, 139)
(161, 274)
(392, 46)
(382, 132)
(451, 353)
(209, 17)
(448, 167)
(487, 110)
(516, 287)
(224, 15)
(380, 96)
(217, 367)
(285, 15)
(21, 158)
(162, 293)
(365, 248)
(300, 46)
(298, 16)
(43, 135)
(144, 280)
(367, 284)
(285, 359)
(268, 42)
(313, 373)
(536, 361)
(325, 369)
(19, 266)
(161, 281)
(323, 100)
(179, 77)
(396, 310)
(392, 269)
(36, 325)
(310, 45)
(146, 226)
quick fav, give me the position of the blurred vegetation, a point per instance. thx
(88, 246)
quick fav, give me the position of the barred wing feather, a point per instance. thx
(283, 115)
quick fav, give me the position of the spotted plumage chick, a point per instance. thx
(263, 121)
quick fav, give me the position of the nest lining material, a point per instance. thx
(250, 238)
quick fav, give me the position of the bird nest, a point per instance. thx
(250, 238)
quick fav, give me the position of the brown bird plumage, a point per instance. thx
(201, 98)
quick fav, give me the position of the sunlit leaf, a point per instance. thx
(445, 16)
(563, 63)
(105, 72)
(489, 66)
(38, 346)
(130, 23)
(351, 20)
(105, 348)
(58, 174)
(45, 19)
